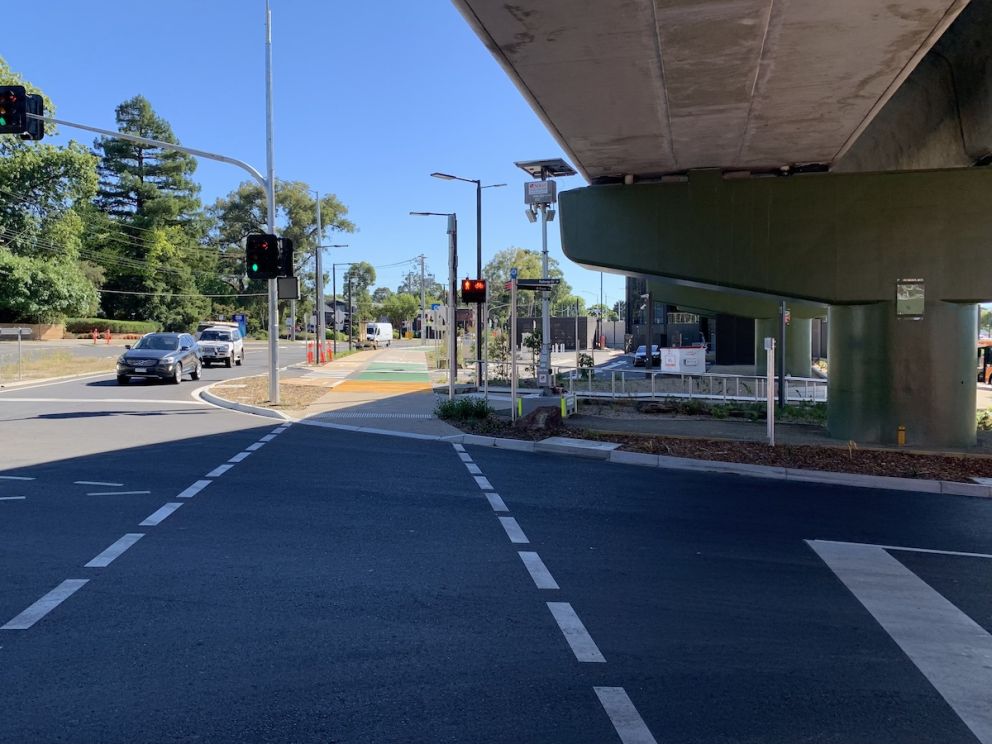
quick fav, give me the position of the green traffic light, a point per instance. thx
(254, 267)
(3, 122)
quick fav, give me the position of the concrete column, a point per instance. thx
(885, 373)
(798, 345)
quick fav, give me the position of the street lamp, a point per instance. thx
(334, 290)
(452, 279)
(480, 336)
(321, 324)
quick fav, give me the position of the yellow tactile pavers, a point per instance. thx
(380, 386)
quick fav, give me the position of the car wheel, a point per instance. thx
(195, 374)
(178, 377)
(227, 362)
(122, 379)
(240, 360)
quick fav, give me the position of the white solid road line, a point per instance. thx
(107, 556)
(909, 550)
(97, 483)
(254, 447)
(12, 498)
(575, 633)
(15, 477)
(155, 518)
(219, 471)
(46, 604)
(513, 530)
(104, 401)
(115, 493)
(239, 457)
(473, 468)
(496, 502)
(194, 489)
(626, 720)
(483, 482)
(538, 571)
(951, 650)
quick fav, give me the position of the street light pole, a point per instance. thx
(452, 297)
(334, 291)
(480, 344)
(270, 179)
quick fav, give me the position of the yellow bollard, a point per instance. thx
(901, 436)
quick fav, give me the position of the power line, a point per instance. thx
(180, 294)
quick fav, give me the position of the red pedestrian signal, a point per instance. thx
(473, 290)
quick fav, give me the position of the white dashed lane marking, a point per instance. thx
(98, 483)
(538, 571)
(496, 502)
(465, 456)
(626, 720)
(267, 438)
(46, 604)
(473, 468)
(155, 518)
(575, 633)
(255, 447)
(513, 530)
(12, 498)
(107, 556)
(239, 457)
(458, 447)
(483, 482)
(15, 477)
(219, 471)
(115, 493)
(194, 489)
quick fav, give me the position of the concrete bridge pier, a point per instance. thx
(798, 345)
(886, 372)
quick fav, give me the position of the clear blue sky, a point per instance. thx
(370, 99)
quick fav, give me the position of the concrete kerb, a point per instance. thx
(664, 462)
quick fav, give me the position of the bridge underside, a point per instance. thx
(741, 146)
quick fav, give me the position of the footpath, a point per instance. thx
(390, 392)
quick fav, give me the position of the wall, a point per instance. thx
(39, 331)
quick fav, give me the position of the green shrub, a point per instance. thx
(984, 420)
(461, 409)
(86, 325)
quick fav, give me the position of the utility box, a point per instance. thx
(684, 360)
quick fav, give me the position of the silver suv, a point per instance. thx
(221, 344)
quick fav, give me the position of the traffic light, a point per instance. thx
(286, 257)
(13, 109)
(473, 290)
(262, 256)
(34, 128)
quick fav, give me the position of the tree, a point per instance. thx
(400, 308)
(381, 294)
(44, 190)
(243, 211)
(433, 289)
(528, 265)
(620, 309)
(566, 306)
(602, 311)
(358, 278)
(148, 235)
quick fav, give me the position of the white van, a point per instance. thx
(379, 333)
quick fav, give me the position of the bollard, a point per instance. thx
(901, 436)
(309, 353)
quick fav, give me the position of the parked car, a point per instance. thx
(641, 356)
(221, 344)
(163, 356)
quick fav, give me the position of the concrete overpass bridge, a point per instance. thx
(823, 152)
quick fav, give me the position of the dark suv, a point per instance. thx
(641, 356)
(164, 356)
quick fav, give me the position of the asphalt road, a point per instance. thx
(316, 585)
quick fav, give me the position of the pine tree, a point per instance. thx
(150, 244)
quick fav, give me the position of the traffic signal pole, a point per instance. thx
(270, 193)
(267, 184)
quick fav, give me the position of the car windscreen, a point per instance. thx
(215, 336)
(158, 343)
(640, 350)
